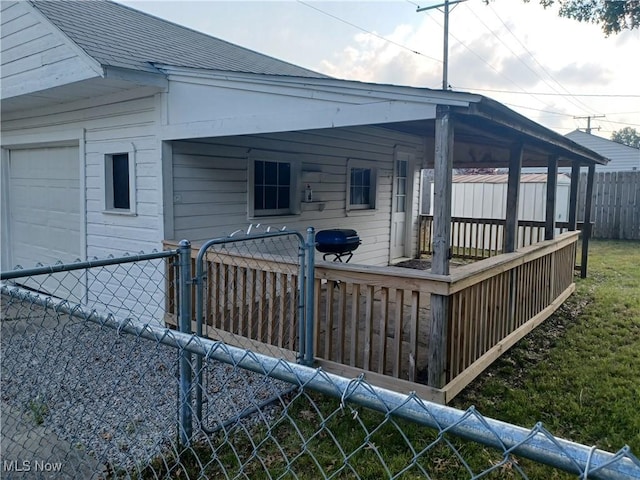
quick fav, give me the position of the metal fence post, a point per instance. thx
(310, 297)
(302, 296)
(184, 321)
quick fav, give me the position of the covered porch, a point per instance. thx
(426, 331)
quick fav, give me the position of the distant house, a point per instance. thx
(622, 158)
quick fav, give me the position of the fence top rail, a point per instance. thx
(536, 443)
(473, 273)
(67, 267)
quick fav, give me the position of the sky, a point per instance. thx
(547, 68)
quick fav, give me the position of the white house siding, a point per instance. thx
(34, 54)
(210, 184)
(112, 125)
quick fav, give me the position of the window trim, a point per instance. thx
(373, 196)
(108, 183)
(295, 182)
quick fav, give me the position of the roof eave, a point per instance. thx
(502, 115)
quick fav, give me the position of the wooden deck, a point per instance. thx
(376, 320)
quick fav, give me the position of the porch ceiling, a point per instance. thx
(484, 142)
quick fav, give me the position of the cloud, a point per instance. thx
(369, 58)
(583, 74)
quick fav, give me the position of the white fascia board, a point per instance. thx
(136, 77)
(312, 87)
(333, 117)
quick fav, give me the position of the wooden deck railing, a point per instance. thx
(495, 302)
(374, 318)
(477, 238)
(377, 319)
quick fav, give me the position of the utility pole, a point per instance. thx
(589, 117)
(445, 54)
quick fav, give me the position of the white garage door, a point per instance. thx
(44, 210)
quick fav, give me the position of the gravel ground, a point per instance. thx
(112, 395)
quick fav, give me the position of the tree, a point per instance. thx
(627, 136)
(613, 16)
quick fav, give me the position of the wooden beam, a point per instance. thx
(443, 173)
(573, 197)
(442, 185)
(552, 185)
(383, 381)
(513, 195)
(586, 229)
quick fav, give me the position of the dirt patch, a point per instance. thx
(425, 263)
(417, 263)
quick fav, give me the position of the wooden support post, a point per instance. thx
(586, 229)
(443, 172)
(511, 223)
(552, 184)
(513, 195)
(442, 185)
(573, 197)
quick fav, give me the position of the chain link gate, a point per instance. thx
(254, 291)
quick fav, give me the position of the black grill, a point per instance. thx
(340, 243)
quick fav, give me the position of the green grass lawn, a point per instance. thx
(578, 373)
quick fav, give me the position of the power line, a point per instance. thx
(622, 123)
(362, 29)
(507, 46)
(486, 62)
(522, 92)
(603, 95)
(537, 109)
(542, 67)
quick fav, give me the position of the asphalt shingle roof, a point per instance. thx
(118, 36)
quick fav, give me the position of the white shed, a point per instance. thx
(485, 196)
(476, 197)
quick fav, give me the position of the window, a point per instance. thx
(361, 183)
(119, 183)
(273, 186)
(401, 186)
(120, 170)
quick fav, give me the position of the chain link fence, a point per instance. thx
(92, 389)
